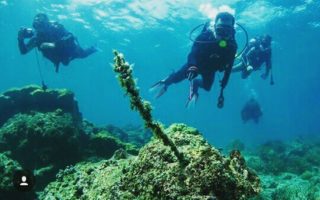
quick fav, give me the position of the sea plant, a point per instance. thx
(128, 83)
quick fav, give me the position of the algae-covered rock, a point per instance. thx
(288, 186)
(86, 180)
(137, 135)
(33, 98)
(47, 142)
(103, 144)
(297, 188)
(156, 174)
(7, 168)
(41, 138)
(296, 156)
(43, 142)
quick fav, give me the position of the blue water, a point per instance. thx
(154, 36)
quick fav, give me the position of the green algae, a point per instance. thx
(156, 174)
(128, 83)
(7, 167)
(44, 132)
(288, 170)
(33, 98)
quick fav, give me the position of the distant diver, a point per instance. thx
(212, 51)
(251, 111)
(257, 53)
(53, 40)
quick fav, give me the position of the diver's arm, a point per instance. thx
(197, 48)
(228, 69)
(247, 56)
(192, 58)
(226, 75)
(25, 48)
(268, 63)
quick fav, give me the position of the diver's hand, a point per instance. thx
(249, 68)
(25, 33)
(264, 76)
(47, 45)
(21, 34)
(192, 72)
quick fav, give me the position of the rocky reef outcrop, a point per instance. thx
(177, 164)
(33, 99)
(43, 131)
(156, 174)
(288, 170)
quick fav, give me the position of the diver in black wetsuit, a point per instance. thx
(251, 111)
(212, 51)
(53, 40)
(257, 53)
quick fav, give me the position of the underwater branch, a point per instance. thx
(127, 82)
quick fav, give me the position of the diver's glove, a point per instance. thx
(192, 73)
(249, 68)
(25, 33)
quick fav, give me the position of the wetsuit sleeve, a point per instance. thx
(248, 55)
(25, 48)
(268, 62)
(228, 69)
(196, 47)
(226, 75)
(192, 57)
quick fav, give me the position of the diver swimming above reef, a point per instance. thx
(212, 51)
(53, 40)
(251, 111)
(255, 55)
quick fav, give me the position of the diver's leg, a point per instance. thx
(178, 76)
(207, 80)
(175, 77)
(83, 53)
(56, 66)
(238, 68)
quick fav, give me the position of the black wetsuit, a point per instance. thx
(251, 111)
(66, 47)
(208, 57)
(254, 55)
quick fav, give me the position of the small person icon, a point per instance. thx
(24, 183)
(23, 180)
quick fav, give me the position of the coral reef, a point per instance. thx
(156, 174)
(137, 135)
(128, 83)
(7, 167)
(288, 170)
(295, 157)
(45, 133)
(289, 186)
(33, 98)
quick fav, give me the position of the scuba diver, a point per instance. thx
(251, 110)
(212, 51)
(53, 40)
(257, 53)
